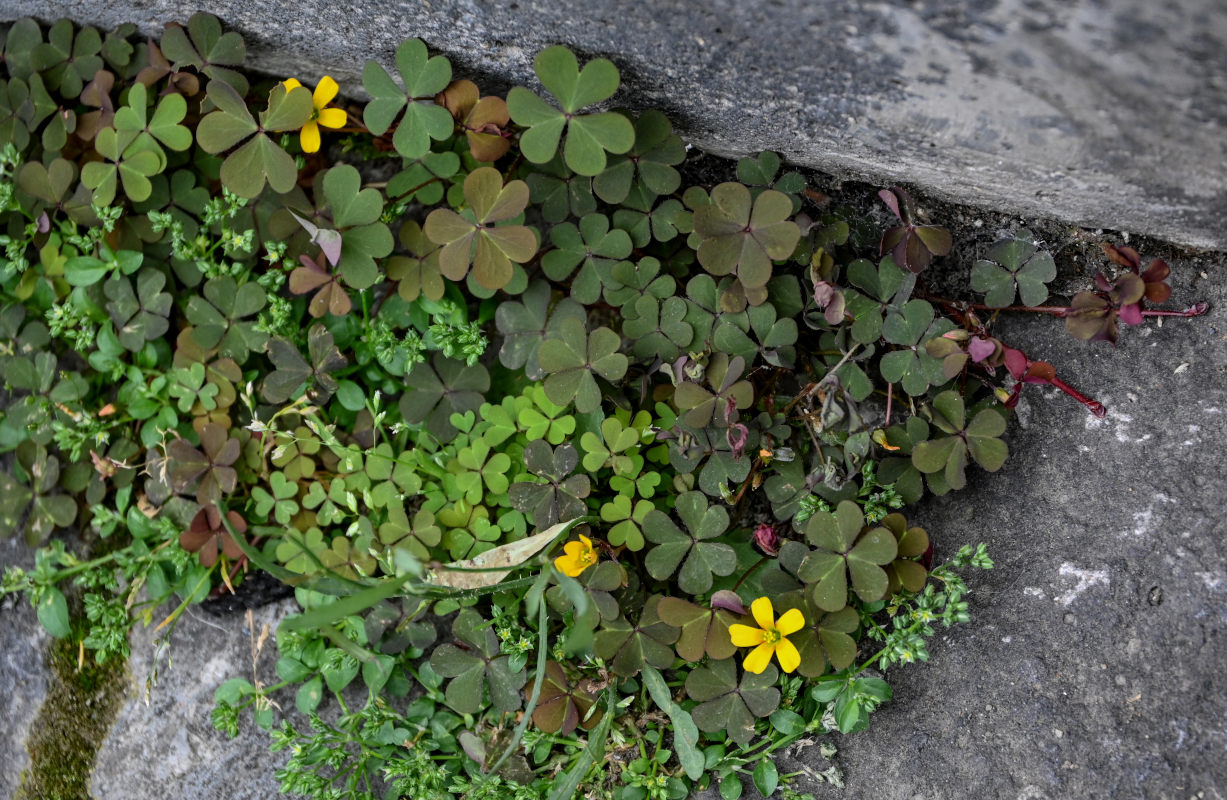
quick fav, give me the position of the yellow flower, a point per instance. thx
(769, 637)
(320, 114)
(579, 556)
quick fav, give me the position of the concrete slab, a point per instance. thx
(1102, 114)
(23, 674)
(1093, 664)
(166, 746)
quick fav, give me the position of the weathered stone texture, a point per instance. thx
(1103, 114)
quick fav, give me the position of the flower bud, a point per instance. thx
(767, 540)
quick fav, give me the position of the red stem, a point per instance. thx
(1094, 406)
(1195, 310)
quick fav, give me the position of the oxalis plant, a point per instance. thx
(585, 481)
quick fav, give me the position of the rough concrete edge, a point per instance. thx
(1136, 218)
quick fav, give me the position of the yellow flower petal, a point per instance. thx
(310, 138)
(568, 565)
(745, 636)
(763, 613)
(587, 542)
(292, 83)
(324, 92)
(790, 621)
(759, 658)
(787, 653)
(333, 118)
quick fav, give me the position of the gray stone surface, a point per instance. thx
(166, 746)
(23, 677)
(1093, 667)
(1106, 114)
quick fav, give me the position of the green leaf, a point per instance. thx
(846, 552)
(629, 647)
(589, 136)
(444, 387)
(703, 559)
(685, 733)
(53, 613)
(725, 704)
(470, 238)
(423, 77)
(766, 777)
(571, 358)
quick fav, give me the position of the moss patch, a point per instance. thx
(77, 714)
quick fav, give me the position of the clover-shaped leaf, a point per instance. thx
(628, 517)
(1014, 265)
(476, 464)
(417, 272)
(906, 570)
(658, 329)
(628, 647)
(630, 280)
(140, 315)
(423, 77)
(725, 704)
(700, 406)
(589, 136)
(205, 48)
(757, 332)
(33, 499)
(741, 236)
(945, 459)
(594, 246)
(129, 164)
(68, 58)
(163, 126)
(208, 536)
(417, 536)
(912, 244)
(52, 185)
(572, 357)
(702, 558)
(210, 468)
(444, 387)
(472, 237)
(301, 551)
(704, 631)
(911, 327)
(648, 166)
(561, 496)
(541, 419)
(313, 276)
(826, 638)
(476, 666)
(847, 551)
(188, 385)
(293, 452)
(563, 707)
(558, 192)
(525, 323)
(278, 498)
(422, 179)
(722, 467)
(614, 448)
(1093, 315)
(293, 371)
(218, 318)
(259, 159)
(760, 173)
(356, 212)
(483, 119)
